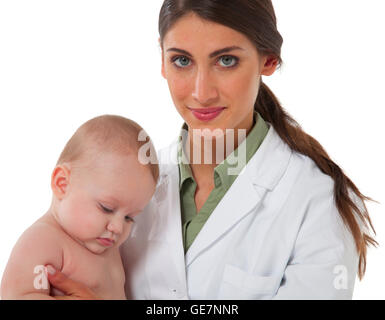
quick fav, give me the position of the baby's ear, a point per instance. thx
(59, 181)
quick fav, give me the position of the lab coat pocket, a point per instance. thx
(237, 284)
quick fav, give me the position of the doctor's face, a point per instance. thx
(213, 73)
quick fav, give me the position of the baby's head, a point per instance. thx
(99, 185)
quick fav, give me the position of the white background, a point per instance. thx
(64, 62)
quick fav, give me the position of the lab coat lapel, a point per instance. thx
(168, 223)
(260, 175)
(238, 201)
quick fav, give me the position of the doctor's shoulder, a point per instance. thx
(311, 204)
(309, 186)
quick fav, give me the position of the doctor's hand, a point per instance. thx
(73, 290)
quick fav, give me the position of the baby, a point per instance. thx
(99, 186)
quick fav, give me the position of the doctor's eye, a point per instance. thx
(227, 61)
(105, 209)
(180, 61)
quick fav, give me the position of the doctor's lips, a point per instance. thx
(206, 114)
(107, 242)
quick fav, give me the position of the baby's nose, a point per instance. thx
(115, 227)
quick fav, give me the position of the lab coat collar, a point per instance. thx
(261, 174)
(265, 168)
(270, 161)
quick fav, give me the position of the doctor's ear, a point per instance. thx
(269, 64)
(60, 180)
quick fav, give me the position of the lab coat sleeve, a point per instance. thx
(324, 260)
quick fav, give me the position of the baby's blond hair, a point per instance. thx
(109, 133)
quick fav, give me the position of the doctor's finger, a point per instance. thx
(73, 290)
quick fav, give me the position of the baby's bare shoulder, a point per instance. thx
(39, 245)
(43, 235)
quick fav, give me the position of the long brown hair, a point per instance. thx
(256, 19)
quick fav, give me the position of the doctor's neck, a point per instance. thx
(206, 149)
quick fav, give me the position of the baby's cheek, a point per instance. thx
(126, 233)
(90, 225)
(83, 222)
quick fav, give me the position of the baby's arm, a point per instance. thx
(24, 276)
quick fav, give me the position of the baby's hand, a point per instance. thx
(73, 290)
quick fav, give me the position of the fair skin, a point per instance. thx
(196, 80)
(206, 81)
(101, 185)
(94, 199)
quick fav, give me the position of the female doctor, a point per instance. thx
(248, 206)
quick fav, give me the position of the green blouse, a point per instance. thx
(192, 222)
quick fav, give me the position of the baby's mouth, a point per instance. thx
(106, 242)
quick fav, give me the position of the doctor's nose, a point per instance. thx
(204, 91)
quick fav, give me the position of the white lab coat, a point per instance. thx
(276, 234)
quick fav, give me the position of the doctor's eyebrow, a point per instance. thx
(211, 55)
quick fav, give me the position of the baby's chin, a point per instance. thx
(96, 248)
